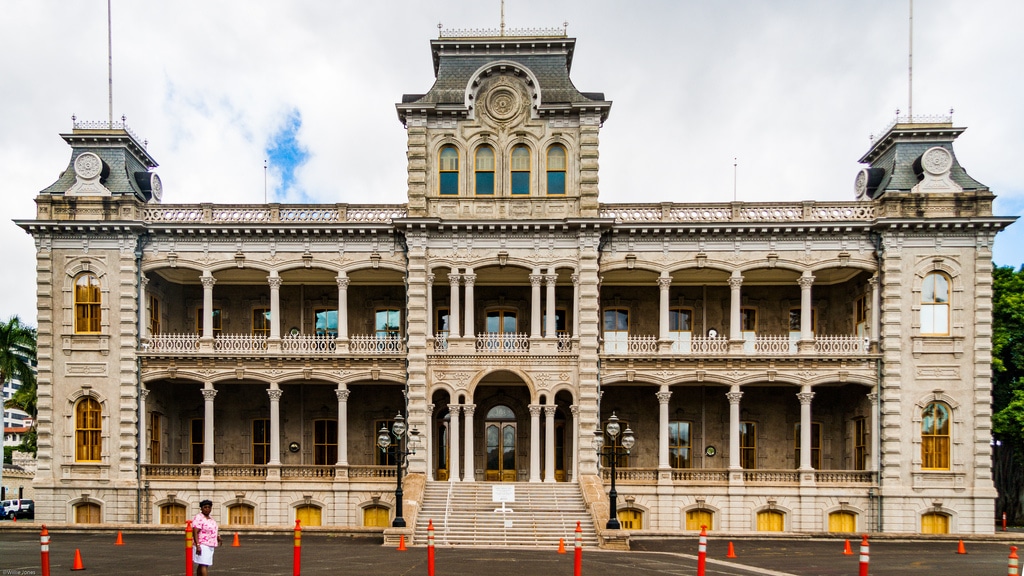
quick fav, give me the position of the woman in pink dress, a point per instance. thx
(204, 537)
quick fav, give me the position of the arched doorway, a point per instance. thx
(500, 435)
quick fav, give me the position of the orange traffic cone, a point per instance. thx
(731, 553)
(119, 542)
(235, 544)
(846, 548)
(561, 545)
(401, 543)
(960, 548)
(78, 561)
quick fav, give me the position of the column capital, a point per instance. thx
(207, 281)
(342, 395)
(431, 408)
(574, 410)
(468, 409)
(455, 279)
(873, 280)
(550, 279)
(469, 279)
(454, 408)
(144, 393)
(535, 410)
(734, 397)
(575, 279)
(275, 394)
(430, 279)
(536, 279)
(550, 410)
(664, 282)
(736, 281)
(209, 394)
(805, 397)
(664, 397)
(274, 282)
(342, 281)
(806, 281)
(873, 398)
(145, 280)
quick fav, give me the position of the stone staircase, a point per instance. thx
(464, 515)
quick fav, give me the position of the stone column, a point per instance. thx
(342, 280)
(735, 325)
(575, 410)
(208, 281)
(453, 441)
(428, 440)
(275, 305)
(342, 393)
(144, 310)
(575, 305)
(470, 331)
(805, 396)
(876, 444)
(663, 397)
(454, 326)
(275, 424)
(535, 439)
(664, 282)
(143, 433)
(550, 330)
(535, 279)
(876, 314)
(430, 305)
(468, 410)
(806, 310)
(208, 395)
(549, 443)
(734, 396)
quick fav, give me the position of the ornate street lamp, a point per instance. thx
(623, 447)
(401, 457)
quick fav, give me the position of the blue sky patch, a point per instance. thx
(285, 154)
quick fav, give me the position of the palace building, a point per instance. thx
(783, 366)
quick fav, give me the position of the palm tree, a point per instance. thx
(17, 355)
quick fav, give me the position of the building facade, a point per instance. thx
(799, 366)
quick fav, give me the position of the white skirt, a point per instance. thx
(204, 556)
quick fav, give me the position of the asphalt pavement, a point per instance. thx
(322, 554)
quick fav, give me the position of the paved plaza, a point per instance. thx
(322, 554)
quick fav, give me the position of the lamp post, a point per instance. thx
(612, 429)
(384, 441)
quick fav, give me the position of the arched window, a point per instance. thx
(87, 513)
(556, 169)
(935, 304)
(87, 304)
(484, 170)
(88, 426)
(521, 170)
(631, 519)
(448, 170)
(935, 437)
(842, 521)
(308, 515)
(696, 519)
(771, 521)
(172, 514)
(241, 514)
(378, 516)
(934, 523)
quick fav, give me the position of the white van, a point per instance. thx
(18, 509)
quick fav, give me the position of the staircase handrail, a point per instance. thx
(447, 510)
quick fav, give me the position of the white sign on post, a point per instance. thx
(503, 493)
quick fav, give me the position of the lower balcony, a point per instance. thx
(766, 477)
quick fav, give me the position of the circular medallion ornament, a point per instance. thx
(860, 185)
(936, 161)
(157, 187)
(502, 103)
(293, 447)
(88, 165)
(710, 451)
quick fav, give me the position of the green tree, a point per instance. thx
(17, 357)
(1008, 389)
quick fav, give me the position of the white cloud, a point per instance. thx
(792, 88)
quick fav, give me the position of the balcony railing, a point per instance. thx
(720, 476)
(174, 343)
(502, 343)
(373, 344)
(171, 470)
(288, 471)
(240, 343)
(309, 344)
(755, 345)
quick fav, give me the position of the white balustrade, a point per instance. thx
(840, 345)
(240, 343)
(503, 343)
(309, 344)
(173, 343)
(372, 344)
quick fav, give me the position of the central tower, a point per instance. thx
(503, 133)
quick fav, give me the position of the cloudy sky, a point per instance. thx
(793, 89)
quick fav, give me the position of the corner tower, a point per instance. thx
(503, 133)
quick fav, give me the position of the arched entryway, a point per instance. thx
(500, 435)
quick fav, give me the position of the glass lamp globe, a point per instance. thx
(628, 439)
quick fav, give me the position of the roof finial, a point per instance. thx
(502, 17)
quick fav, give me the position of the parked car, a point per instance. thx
(19, 509)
